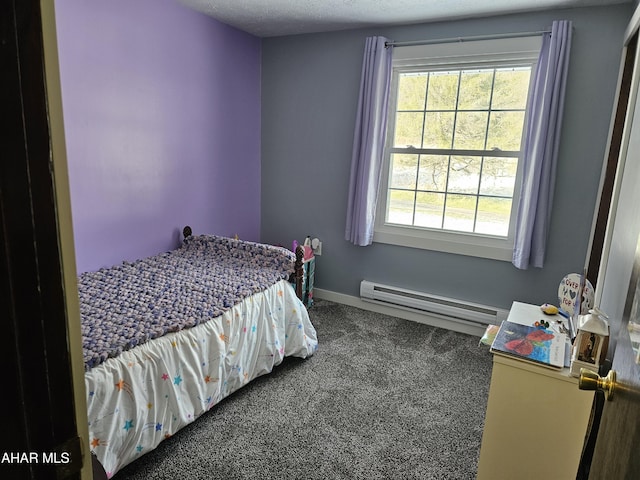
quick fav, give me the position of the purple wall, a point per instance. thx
(162, 120)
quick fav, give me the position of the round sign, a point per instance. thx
(568, 293)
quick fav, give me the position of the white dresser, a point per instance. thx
(536, 418)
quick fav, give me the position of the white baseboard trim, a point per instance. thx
(400, 312)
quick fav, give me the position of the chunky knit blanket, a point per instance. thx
(132, 303)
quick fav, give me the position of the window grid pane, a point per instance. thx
(475, 114)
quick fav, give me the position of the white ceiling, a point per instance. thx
(269, 18)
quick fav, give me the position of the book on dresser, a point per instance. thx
(530, 344)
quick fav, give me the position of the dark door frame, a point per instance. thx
(40, 427)
(599, 233)
(611, 167)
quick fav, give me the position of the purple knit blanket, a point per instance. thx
(129, 304)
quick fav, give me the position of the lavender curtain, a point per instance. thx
(368, 142)
(540, 152)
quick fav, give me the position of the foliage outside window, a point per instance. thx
(452, 154)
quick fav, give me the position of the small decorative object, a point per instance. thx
(308, 251)
(575, 297)
(591, 342)
(569, 297)
(549, 309)
(541, 324)
(489, 334)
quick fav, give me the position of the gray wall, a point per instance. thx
(310, 86)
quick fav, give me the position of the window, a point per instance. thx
(454, 139)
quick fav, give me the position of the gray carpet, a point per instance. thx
(382, 398)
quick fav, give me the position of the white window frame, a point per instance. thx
(460, 55)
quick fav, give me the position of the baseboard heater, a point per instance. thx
(442, 307)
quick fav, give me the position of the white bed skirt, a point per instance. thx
(151, 391)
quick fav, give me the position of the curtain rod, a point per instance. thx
(466, 39)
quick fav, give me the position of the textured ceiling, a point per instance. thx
(268, 18)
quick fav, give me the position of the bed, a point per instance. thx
(167, 337)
